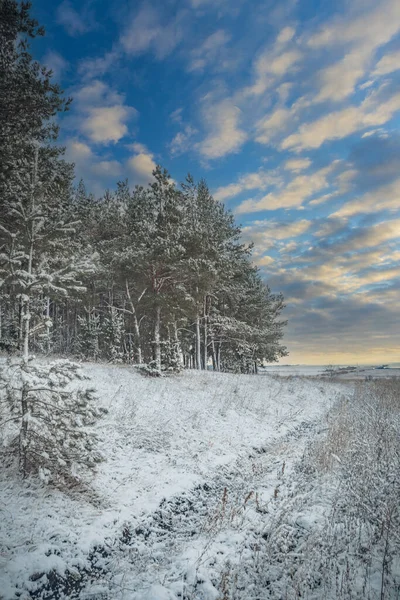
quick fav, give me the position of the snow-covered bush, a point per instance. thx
(333, 530)
(46, 422)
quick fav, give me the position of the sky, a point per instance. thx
(291, 112)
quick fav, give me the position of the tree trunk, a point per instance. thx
(178, 345)
(213, 352)
(198, 343)
(48, 326)
(157, 342)
(26, 316)
(135, 324)
(218, 355)
(205, 349)
(23, 434)
(26, 299)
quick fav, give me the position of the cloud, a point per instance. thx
(95, 67)
(371, 236)
(276, 231)
(269, 67)
(297, 164)
(272, 124)
(339, 80)
(343, 291)
(141, 165)
(264, 261)
(285, 35)
(97, 171)
(106, 124)
(150, 31)
(77, 151)
(388, 64)
(208, 51)
(74, 22)
(386, 197)
(176, 115)
(342, 123)
(267, 235)
(259, 180)
(375, 161)
(103, 115)
(54, 61)
(382, 22)
(182, 141)
(295, 193)
(225, 137)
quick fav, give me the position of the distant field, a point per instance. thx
(316, 371)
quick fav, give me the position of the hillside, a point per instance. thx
(205, 493)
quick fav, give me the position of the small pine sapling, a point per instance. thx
(46, 420)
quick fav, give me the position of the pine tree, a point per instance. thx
(47, 425)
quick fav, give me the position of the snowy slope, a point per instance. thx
(197, 458)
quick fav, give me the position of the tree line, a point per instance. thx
(156, 275)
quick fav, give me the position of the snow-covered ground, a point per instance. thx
(198, 467)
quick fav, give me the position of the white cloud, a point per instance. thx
(103, 114)
(384, 198)
(182, 141)
(288, 248)
(285, 35)
(149, 31)
(295, 193)
(271, 125)
(373, 236)
(77, 151)
(141, 166)
(297, 164)
(277, 231)
(264, 261)
(267, 235)
(269, 67)
(74, 23)
(381, 23)
(388, 64)
(107, 168)
(251, 181)
(208, 51)
(96, 170)
(360, 34)
(225, 136)
(95, 67)
(106, 124)
(339, 80)
(341, 123)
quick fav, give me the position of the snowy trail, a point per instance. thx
(189, 545)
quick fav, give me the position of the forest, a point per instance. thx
(156, 276)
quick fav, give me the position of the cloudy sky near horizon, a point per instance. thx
(290, 110)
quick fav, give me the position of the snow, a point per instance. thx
(197, 466)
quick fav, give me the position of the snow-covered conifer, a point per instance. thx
(46, 422)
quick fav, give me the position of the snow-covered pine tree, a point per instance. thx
(87, 344)
(47, 425)
(112, 332)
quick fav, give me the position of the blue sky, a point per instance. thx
(289, 109)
